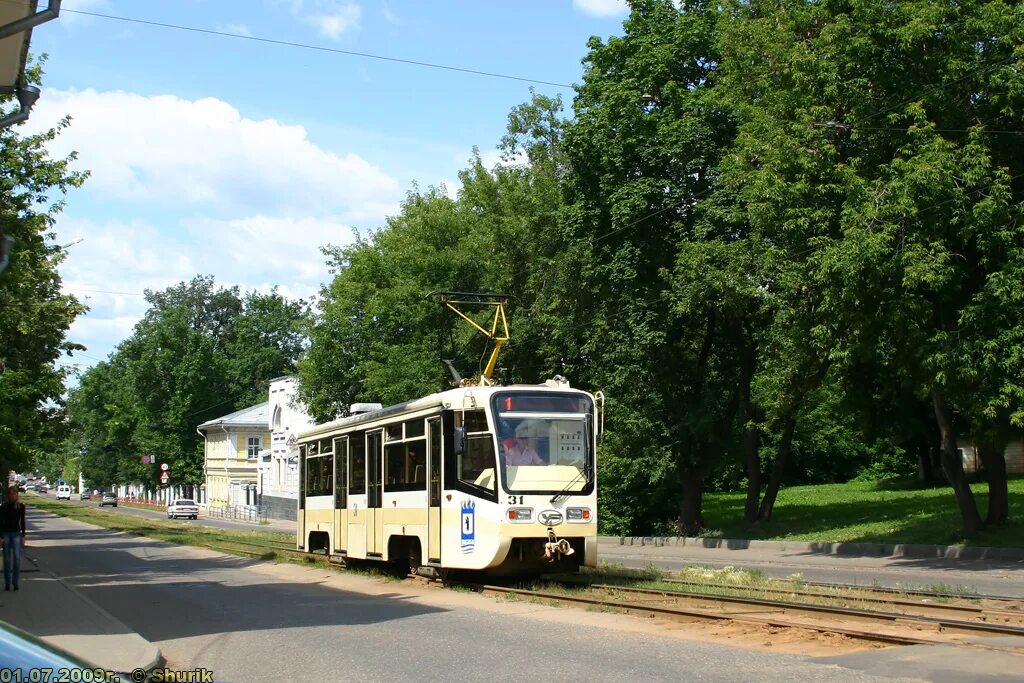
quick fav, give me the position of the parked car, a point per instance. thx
(64, 492)
(183, 507)
(42, 488)
(108, 498)
(86, 495)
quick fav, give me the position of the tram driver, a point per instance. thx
(517, 450)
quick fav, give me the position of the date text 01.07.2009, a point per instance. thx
(61, 674)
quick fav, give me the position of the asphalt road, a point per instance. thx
(203, 520)
(258, 622)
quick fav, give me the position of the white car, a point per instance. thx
(64, 492)
(183, 507)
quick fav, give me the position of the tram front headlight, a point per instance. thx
(577, 514)
(520, 514)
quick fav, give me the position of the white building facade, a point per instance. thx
(279, 467)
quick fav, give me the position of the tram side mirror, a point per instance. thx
(459, 442)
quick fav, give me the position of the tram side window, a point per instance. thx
(413, 428)
(476, 465)
(435, 463)
(341, 468)
(405, 466)
(319, 476)
(302, 477)
(473, 421)
(357, 465)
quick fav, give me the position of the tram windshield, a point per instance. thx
(544, 442)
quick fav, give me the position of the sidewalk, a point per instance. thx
(49, 608)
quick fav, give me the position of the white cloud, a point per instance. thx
(80, 6)
(181, 188)
(116, 261)
(332, 18)
(238, 29)
(390, 16)
(204, 153)
(260, 250)
(601, 8)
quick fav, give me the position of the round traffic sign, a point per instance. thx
(164, 467)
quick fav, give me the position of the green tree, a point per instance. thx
(199, 351)
(34, 315)
(888, 197)
(642, 149)
(375, 336)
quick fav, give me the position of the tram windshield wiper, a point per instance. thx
(585, 472)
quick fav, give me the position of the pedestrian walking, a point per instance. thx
(12, 535)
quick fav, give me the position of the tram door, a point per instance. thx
(357, 507)
(434, 492)
(340, 534)
(374, 492)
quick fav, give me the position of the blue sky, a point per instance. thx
(239, 159)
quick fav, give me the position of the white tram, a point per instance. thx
(492, 478)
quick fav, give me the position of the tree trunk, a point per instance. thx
(771, 492)
(751, 450)
(925, 475)
(952, 467)
(994, 466)
(691, 515)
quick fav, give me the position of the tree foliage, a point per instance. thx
(34, 314)
(375, 336)
(199, 352)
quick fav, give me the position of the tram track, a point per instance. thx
(977, 612)
(984, 621)
(880, 590)
(894, 628)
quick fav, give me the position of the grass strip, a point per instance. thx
(181, 532)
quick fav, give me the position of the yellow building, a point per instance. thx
(233, 447)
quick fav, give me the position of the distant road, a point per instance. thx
(275, 525)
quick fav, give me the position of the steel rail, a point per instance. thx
(976, 610)
(872, 589)
(938, 622)
(720, 616)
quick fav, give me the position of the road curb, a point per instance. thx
(907, 550)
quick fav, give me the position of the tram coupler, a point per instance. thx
(555, 548)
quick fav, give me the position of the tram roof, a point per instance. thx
(441, 399)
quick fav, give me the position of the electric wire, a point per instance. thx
(319, 48)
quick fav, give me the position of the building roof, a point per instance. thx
(253, 416)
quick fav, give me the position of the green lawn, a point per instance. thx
(866, 511)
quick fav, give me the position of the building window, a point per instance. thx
(253, 446)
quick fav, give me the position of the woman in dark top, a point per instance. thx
(12, 534)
